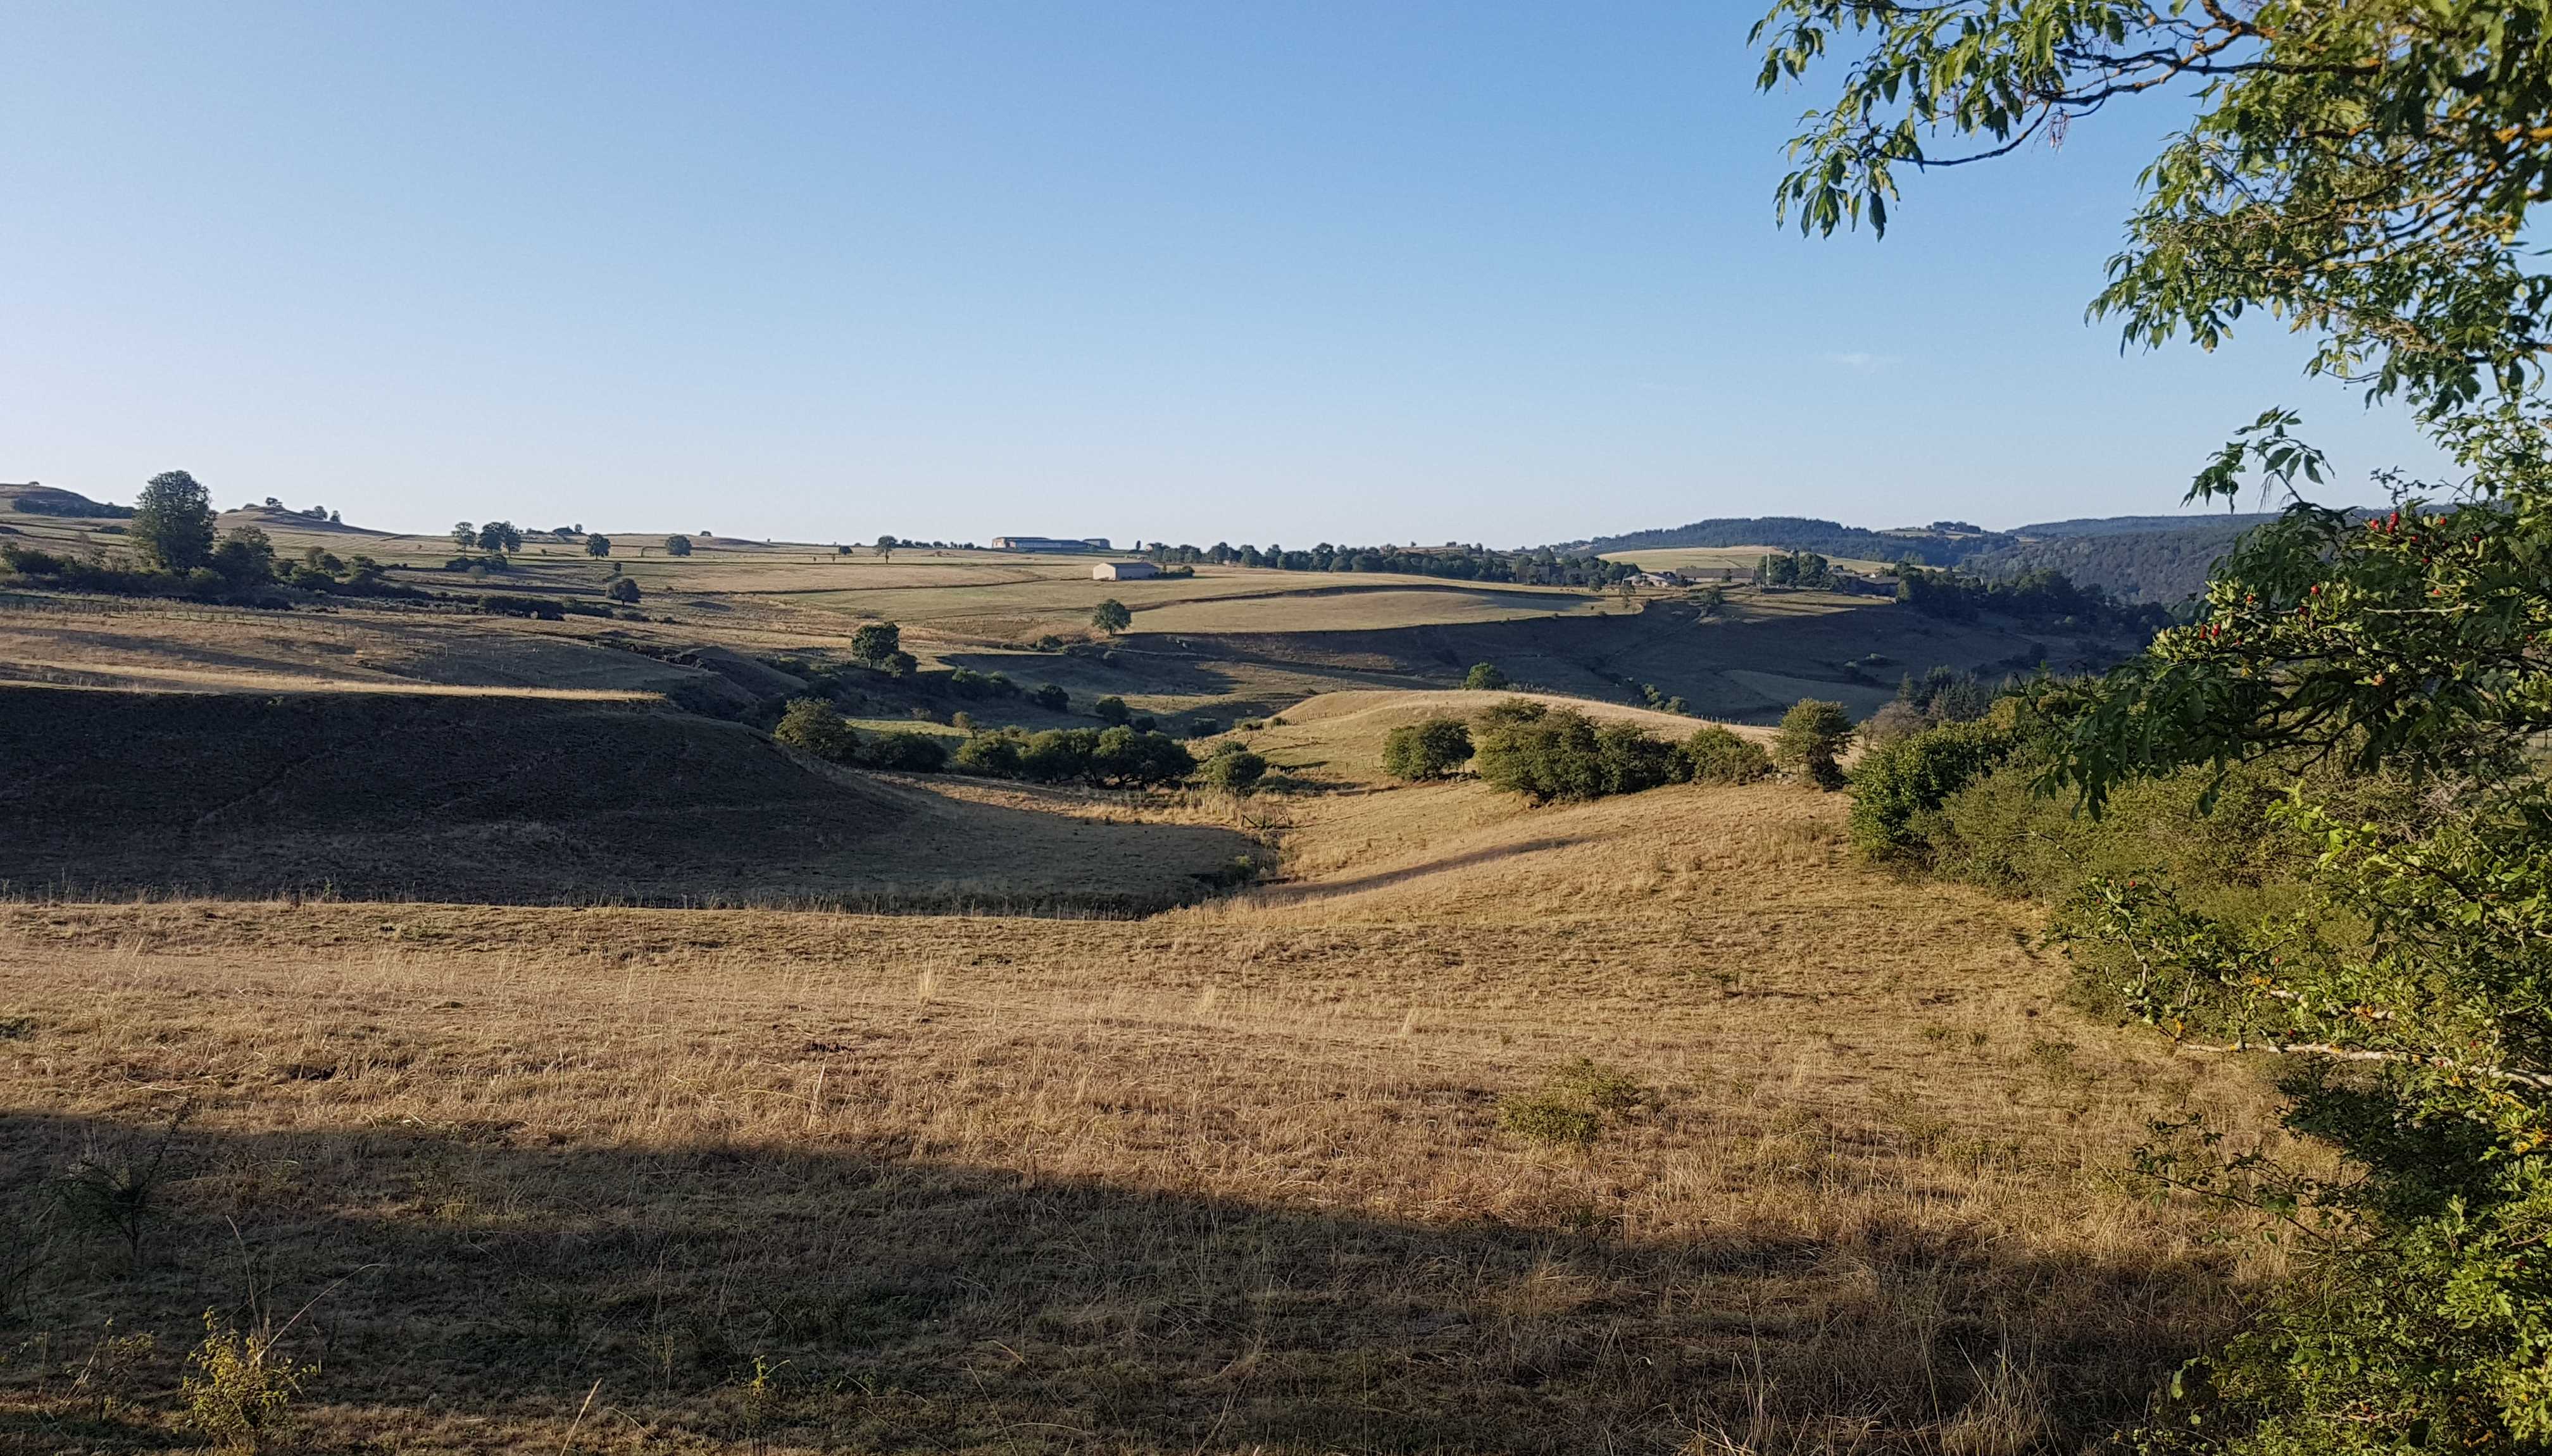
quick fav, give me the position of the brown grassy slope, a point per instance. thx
(1233, 1179)
(509, 799)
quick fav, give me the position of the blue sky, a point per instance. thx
(1312, 271)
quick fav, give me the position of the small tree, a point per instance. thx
(1813, 734)
(624, 589)
(886, 546)
(464, 534)
(1432, 749)
(1484, 678)
(246, 558)
(1111, 710)
(876, 642)
(678, 546)
(598, 546)
(1051, 698)
(812, 726)
(1112, 617)
(172, 522)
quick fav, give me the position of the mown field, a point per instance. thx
(1653, 1124)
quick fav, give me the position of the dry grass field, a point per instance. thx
(1653, 1124)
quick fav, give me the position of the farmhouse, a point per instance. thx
(1049, 543)
(1124, 572)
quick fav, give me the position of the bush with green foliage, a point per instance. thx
(1232, 768)
(2365, 173)
(1112, 617)
(1111, 710)
(598, 546)
(1051, 698)
(1555, 753)
(906, 750)
(1112, 757)
(678, 546)
(1719, 755)
(1436, 748)
(624, 589)
(1897, 788)
(812, 725)
(1573, 1106)
(1484, 678)
(1813, 735)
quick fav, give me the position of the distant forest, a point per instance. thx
(1546, 567)
(2158, 559)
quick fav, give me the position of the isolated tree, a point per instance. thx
(1112, 617)
(873, 643)
(172, 522)
(1432, 749)
(1484, 678)
(678, 546)
(886, 546)
(464, 534)
(624, 589)
(1110, 710)
(2365, 173)
(1812, 736)
(598, 546)
(1051, 698)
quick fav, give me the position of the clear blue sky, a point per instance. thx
(1309, 271)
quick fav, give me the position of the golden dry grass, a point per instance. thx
(1231, 1179)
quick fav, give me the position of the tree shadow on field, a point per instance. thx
(1295, 894)
(902, 1304)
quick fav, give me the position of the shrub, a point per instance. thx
(1432, 749)
(1202, 728)
(900, 665)
(1572, 1105)
(624, 590)
(1484, 678)
(240, 1397)
(1552, 754)
(989, 754)
(1900, 785)
(1110, 710)
(678, 546)
(910, 751)
(1633, 762)
(598, 546)
(1051, 698)
(1237, 770)
(1812, 736)
(1717, 755)
(812, 726)
(1126, 757)
(1058, 755)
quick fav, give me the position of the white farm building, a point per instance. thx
(1124, 572)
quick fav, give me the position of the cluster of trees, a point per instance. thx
(1552, 753)
(70, 504)
(1121, 757)
(2313, 822)
(1803, 534)
(1805, 569)
(2162, 568)
(2037, 596)
(1941, 695)
(813, 726)
(180, 553)
(1539, 567)
(314, 513)
(498, 538)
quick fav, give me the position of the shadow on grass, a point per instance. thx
(904, 1305)
(1295, 894)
